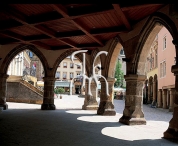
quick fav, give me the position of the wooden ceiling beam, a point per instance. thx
(142, 6)
(20, 18)
(59, 8)
(122, 16)
(40, 44)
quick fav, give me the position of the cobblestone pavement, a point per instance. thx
(68, 125)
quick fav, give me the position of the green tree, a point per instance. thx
(119, 75)
(58, 91)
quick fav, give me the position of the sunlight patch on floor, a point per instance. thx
(137, 132)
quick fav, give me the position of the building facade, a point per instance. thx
(159, 86)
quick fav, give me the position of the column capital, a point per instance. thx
(135, 77)
(49, 78)
(109, 79)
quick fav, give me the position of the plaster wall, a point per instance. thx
(168, 55)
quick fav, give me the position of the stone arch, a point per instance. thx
(150, 80)
(63, 56)
(155, 77)
(148, 33)
(18, 49)
(112, 57)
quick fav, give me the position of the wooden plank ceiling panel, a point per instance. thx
(105, 37)
(80, 39)
(53, 42)
(101, 20)
(32, 9)
(25, 31)
(68, 6)
(137, 14)
(61, 25)
(4, 17)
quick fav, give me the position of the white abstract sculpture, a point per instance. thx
(93, 75)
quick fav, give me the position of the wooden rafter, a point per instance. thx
(122, 16)
(20, 18)
(127, 8)
(59, 8)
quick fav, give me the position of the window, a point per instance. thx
(71, 65)
(156, 58)
(71, 75)
(164, 43)
(163, 69)
(57, 75)
(122, 52)
(64, 75)
(65, 65)
(78, 73)
(78, 67)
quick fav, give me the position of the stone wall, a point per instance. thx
(22, 93)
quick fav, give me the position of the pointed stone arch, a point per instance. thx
(155, 77)
(112, 57)
(17, 50)
(63, 56)
(148, 33)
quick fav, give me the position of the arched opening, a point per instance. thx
(155, 60)
(25, 72)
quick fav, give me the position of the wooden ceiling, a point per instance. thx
(68, 26)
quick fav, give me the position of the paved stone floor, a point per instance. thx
(68, 125)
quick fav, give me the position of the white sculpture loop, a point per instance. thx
(93, 75)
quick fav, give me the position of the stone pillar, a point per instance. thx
(48, 96)
(73, 90)
(172, 131)
(172, 94)
(149, 93)
(106, 106)
(165, 98)
(145, 92)
(90, 102)
(3, 91)
(133, 112)
(154, 103)
(160, 103)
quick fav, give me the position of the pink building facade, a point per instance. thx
(160, 84)
(166, 50)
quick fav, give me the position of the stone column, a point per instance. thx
(90, 102)
(160, 104)
(165, 98)
(48, 96)
(149, 93)
(172, 131)
(106, 106)
(154, 103)
(172, 94)
(3, 91)
(73, 90)
(133, 112)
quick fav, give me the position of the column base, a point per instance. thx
(48, 107)
(159, 106)
(132, 121)
(5, 106)
(90, 103)
(171, 134)
(171, 109)
(106, 108)
(154, 104)
(90, 107)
